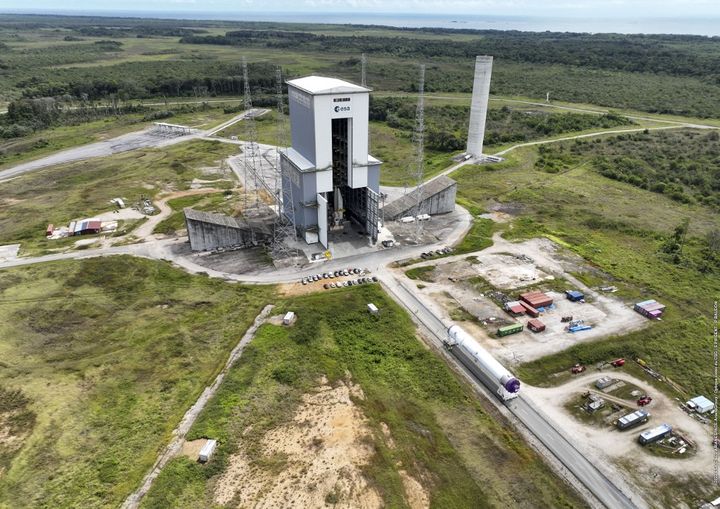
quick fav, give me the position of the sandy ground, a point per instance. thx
(192, 448)
(125, 214)
(621, 447)
(322, 450)
(145, 230)
(511, 266)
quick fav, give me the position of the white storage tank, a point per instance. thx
(207, 451)
(482, 363)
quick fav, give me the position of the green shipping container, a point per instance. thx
(510, 329)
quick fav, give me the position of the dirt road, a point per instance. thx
(175, 446)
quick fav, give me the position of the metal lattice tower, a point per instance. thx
(419, 142)
(363, 70)
(250, 148)
(285, 222)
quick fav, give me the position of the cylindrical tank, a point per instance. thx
(482, 357)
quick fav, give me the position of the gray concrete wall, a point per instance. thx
(374, 177)
(302, 127)
(479, 104)
(439, 203)
(209, 237)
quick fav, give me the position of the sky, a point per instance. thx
(566, 8)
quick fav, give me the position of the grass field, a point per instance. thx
(60, 194)
(463, 453)
(100, 359)
(620, 230)
(17, 150)
(215, 202)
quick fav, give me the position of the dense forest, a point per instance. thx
(446, 125)
(96, 59)
(663, 54)
(684, 165)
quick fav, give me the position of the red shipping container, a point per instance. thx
(535, 325)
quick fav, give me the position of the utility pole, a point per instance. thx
(419, 141)
(285, 221)
(250, 146)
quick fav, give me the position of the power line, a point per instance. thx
(250, 145)
(284, 230)
(419, 141)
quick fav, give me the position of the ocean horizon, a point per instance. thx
(649, 25)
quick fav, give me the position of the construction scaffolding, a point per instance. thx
(250, 148)
(284, 231)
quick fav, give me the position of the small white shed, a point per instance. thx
(701, 404)
(288, 318)
(373, 309)
(207, 451)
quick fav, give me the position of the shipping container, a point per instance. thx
(574, 295)
(514, 307)
(530, 310)
(537, 299)
(632, 419)
(288, 318)
(510, 329)
(654, 434)
(535, 325)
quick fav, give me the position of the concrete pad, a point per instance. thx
(9, 252)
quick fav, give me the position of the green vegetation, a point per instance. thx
(622, 230)
(266, 126)
(100, 360)
(421, 273)
(479, 237)
(447, 124)
(441, 433)
(221, 203)
(684, 165)
(115, 60)
(394, 147)
(85, 130)
(60, 194)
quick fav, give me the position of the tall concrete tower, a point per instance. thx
(478, 108)
(333, 178)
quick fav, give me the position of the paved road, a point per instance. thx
(524, 409)
(124, 143)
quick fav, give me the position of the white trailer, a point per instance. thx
(482, 364)
(207, 451)
(373, 309)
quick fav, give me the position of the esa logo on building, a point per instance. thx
(338, 109)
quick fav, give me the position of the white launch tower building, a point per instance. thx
(334, 180)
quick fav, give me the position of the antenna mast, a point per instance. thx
(285, 221)
(250, 147)
(419, 140)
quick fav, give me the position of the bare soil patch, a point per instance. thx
(314, 459)
(191, 448)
